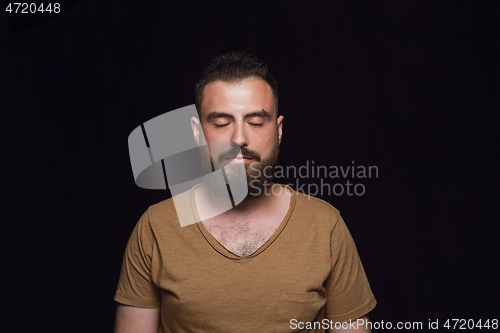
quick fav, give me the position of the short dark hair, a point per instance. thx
(234, 67)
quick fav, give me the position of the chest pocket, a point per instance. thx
(303, 307)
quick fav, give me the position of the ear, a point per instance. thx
(279, 123)
(196, 127)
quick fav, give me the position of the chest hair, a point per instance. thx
(241, 235)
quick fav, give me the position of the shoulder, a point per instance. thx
(166, 213)
(162, 210)
(315, 205)
(316, 210)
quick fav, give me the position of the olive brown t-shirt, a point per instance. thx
(308, 270)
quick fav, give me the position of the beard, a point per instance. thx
(259, 172)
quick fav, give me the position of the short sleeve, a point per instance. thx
(135, 286)
(349, 295)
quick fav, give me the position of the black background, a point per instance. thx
(409, 86)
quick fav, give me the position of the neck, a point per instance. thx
(209, 205)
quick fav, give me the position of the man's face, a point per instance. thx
(244, 115)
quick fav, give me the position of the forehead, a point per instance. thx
(241, 97)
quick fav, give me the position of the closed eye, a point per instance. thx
(253, 124)
(220, 125)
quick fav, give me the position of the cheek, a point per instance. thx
(210, 136)
(267, 141)
(271, 136)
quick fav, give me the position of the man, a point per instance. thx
(276, 262)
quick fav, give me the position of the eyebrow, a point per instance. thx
(218, 114)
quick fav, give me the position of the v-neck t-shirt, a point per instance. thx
(308, 270)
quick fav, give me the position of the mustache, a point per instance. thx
(234, 151)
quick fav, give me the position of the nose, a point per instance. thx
(240, 136)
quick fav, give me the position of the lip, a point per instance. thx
(240, 159)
